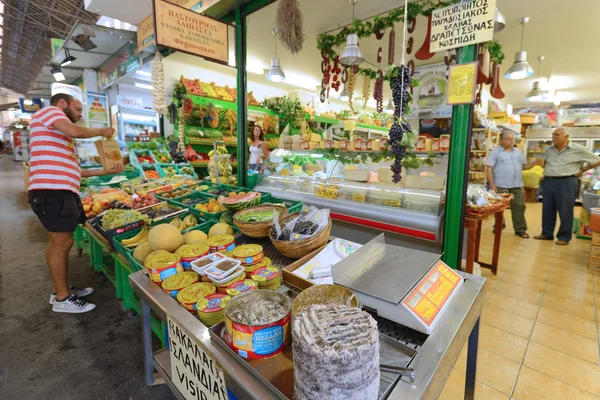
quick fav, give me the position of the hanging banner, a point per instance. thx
(119, 65)
(189, 32)
(462, 83)
(145, 33)
(57, 45)
(193, 371)
(72, 90)
(429, 98)
(462, 24)
(97, 107)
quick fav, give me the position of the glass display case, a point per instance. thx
(358, 188)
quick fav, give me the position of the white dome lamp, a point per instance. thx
(352, 55)
(520, 68)
(540, 92)
(275, 73)
(499, 21)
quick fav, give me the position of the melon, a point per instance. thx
(155, 254)
(195, 237)
(220, 229)
(141, 252)
(165, 237)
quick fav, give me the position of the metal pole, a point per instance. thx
(471, 375)
(458, 172)
(242, 108)
(147, 343)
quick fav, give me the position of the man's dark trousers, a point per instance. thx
(559, 196)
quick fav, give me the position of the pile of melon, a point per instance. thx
(166, 238)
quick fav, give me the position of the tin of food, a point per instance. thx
(173, 284)
(191, 295)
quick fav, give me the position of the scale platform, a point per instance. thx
(407, 286)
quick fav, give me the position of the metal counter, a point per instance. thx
(435, 355)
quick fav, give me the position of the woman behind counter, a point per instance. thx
(258, 148)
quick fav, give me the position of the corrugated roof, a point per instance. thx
(27, 29)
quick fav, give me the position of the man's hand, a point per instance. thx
(539, 161)
(116, 169)
(494, 188)
(578, 175)
(107, 132)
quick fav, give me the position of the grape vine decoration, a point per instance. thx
(400, 81)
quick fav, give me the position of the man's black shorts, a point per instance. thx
(58, 210)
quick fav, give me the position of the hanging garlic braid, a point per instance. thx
(289, 22)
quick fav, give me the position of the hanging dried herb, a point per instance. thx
(289, 22)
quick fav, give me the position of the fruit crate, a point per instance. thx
(161, 169)
(155, 220)
(204, 227)
(102, 180)
(223, 189)
(109, 234)
(150, 167)
(121, 248)
(293, 206)
(193, 174)
(203, 198)
(135, 153)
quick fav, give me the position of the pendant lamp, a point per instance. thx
(540, 92)
(344, 96)
(275, 73)
(389, 109)
(520, 68)
(499, 21)
(352, 55)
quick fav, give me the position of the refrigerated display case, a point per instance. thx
(133, 121)
(361, 197)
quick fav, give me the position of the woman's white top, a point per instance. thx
(256, 152)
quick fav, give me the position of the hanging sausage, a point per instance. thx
(391, 46)
(424, 53)
(496, 91)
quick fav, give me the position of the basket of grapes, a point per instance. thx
(297, 235)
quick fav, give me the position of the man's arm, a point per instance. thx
(489, 173)
(592, 160)
(529, 165)
(81, 132)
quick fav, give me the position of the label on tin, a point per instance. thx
(193, 293)
(220, 240)
(213, 303)
(194, 372)
(265, 274)
(242, 286)
(180, 280)
(247, 250)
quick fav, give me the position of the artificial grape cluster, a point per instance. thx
(400, 94)
(378, 92)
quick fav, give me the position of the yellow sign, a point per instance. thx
(358, 197)
(462, 83)
(462, 24)
(326, 191)
(145, 33)
(186, 31)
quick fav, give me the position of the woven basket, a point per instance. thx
(482, 212)
(258, 229)
(302, 247)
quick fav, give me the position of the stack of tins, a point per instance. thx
(252, 258)
(265, 262)
(211, 308)
(191, 295)
(258, 324)
(164, 266)
(237, 288)
(174, 284)
(191, 252)
(221, 244)
(237, 276)
(268, 278)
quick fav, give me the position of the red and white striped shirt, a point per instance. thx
(53, 161)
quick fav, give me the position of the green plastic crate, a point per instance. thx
(293, 206)
(197, 195)
(116, 241)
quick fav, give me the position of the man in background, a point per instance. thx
(563, 165)
(54, 181)
(505, 165)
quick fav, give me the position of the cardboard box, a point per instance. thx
(594, 264)
(595, 252)
(595, 238)
(295, 280)
(109, 152)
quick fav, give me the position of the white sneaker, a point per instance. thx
(79, 292)
(72, 305)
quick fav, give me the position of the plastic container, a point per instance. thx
(174, 284)
(199, 265)
(229, 279)
(264, 335)
(159, 274)
(216, 271)
(191, 295)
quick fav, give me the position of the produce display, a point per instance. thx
(151, 174)
(310, 221)
(223, 165)
(170, 171)
(160, 211)
(145, 159)
(141, 201)
(188, 222)
(187, 170)
(211, 206)
(240, 201)
(116, 218)
(336, 353)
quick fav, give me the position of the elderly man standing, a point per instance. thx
(505, 165)
(563, 165)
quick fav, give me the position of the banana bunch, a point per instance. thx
(220, 151)
(141, 237)
(187, 222)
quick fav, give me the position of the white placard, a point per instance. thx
(130, 101)
(193, 372)
(462, 24)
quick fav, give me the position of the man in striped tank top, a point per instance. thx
(53, 191)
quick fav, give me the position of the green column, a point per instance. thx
(242, 108)
(460, 143)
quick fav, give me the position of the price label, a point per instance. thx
(327, 191)
(358, 197)
(350, 167)
(462, 83)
